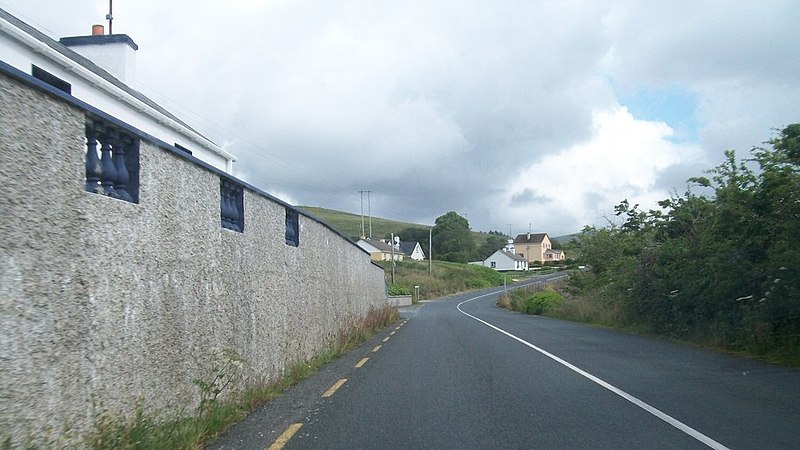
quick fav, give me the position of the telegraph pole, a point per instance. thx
(430, 251)
(369, 209)
(369, 212)
(391, 244)
(362, 213)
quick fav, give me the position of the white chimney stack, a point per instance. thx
(116, 53)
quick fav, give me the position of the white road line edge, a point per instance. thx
(652, 410)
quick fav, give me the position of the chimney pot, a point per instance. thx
(98, 30)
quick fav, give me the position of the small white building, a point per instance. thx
(413, 250)
(99, 70)
(503, 260)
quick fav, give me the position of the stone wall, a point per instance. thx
(106, 303)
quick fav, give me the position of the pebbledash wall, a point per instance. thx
(106, 303)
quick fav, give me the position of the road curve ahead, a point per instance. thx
(461, 373)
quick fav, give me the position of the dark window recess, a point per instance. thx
(182, 148)
(112, 161)
(51, 79)
(231, 205)
(292, 228)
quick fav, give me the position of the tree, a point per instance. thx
(415, 234)
(452, 238)
(493, 243)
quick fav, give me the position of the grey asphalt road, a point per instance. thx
(461, 373)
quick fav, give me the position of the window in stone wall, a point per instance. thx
(292, 227)
(231, 205)
(112, 161)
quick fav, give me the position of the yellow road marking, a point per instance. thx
(386, 338)
(335, 387)
(284, 438)
(362, 362)
(377, 347)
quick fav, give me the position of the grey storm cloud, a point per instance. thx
(485, 109)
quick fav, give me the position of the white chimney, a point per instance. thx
(116, 53)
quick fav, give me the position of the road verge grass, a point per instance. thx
(218, 412)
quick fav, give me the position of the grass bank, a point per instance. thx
(223, 401)
(446, 278)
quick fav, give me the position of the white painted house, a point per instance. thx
(99, 70)
(503, 260)
(413, 250)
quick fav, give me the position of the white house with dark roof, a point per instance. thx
(99, 70)
(413, 250)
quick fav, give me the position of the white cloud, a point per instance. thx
(579, 185)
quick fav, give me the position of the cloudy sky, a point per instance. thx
(516, 114)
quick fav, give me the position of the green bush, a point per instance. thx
(541, 301)
(397, 289)
(478, 283)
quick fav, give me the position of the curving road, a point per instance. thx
(460, 373)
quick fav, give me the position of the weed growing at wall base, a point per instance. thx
(218, 412)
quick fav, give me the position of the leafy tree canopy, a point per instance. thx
(452, 238)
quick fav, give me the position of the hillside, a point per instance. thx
(349, 224)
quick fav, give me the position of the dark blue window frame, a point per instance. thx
(231, 205)
(292, 227)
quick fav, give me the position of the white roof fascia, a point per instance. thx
(99, 82)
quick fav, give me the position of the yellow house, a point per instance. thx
(381, 251)
(537, 247)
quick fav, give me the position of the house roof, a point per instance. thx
(382, 246)
(408, 247)
(99, 71)
(530, 238)
(512, 256)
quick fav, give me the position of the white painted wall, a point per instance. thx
(502, 261)
(20, 50)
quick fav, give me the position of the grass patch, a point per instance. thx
(446, 278)
(530, 302)
(218, 412)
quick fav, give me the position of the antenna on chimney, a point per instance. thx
(110, 15)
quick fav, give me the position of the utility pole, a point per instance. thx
(430, 251)
(362, 213)
(391, 244)
(509, 229)
(369, 212)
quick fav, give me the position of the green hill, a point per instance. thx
(349, 224)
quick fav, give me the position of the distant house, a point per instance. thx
(99, 70)
(536, 247)
(554, 255)
(413, 250)
(503, 260)
(379, 250)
